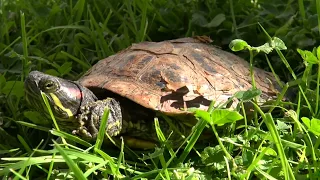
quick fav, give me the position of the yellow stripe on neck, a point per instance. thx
(58, 103)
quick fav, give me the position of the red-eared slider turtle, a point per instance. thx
(148, 77)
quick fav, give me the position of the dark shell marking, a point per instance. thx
(170, 76)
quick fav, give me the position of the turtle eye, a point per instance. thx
(49, 86)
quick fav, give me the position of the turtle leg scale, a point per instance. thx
(91, 114)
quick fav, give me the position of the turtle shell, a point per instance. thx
(171, 76)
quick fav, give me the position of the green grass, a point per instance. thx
(65, 38)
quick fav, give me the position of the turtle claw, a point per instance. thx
(82, 132)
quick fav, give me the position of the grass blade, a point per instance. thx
(72, 165)
(25, 47)
(102, 129)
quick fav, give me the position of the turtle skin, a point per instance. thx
(172, 76)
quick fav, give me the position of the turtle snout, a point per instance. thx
(34, 76)
(32, 81)
(37, 81)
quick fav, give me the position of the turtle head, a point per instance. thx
(65, 97)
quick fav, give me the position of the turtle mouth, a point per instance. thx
(31, 85)
(33, 93)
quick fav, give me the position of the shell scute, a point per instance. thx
(173, 75)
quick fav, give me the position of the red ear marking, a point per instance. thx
(79, 94)
(75, 92)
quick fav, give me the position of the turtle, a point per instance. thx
(167, 77)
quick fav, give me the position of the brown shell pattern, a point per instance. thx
(173, 75)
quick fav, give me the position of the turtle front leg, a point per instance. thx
(90, 117)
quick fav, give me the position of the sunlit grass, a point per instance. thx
(64, 38)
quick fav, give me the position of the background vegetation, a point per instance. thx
(65, 38)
